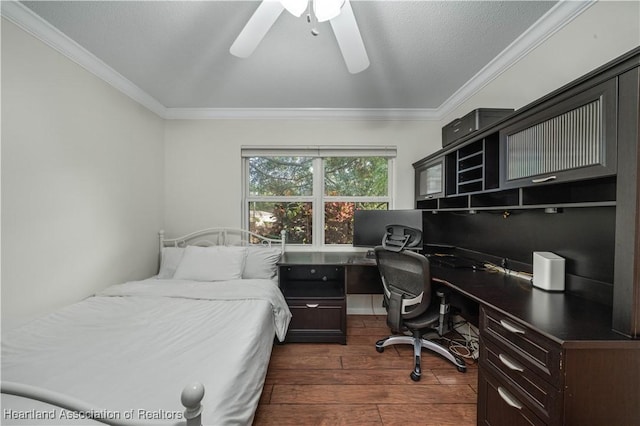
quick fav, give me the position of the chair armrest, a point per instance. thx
(394, 312)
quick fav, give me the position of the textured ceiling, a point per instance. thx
(421, 52)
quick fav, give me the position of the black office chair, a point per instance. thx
(406, 278)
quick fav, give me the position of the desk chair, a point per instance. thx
(406, 278)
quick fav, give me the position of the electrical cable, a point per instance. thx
(491, 267)
(468, 347)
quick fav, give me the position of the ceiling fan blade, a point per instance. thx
(349, 39)
(257, 26)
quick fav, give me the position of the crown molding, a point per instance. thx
(33, 24)
(556, 18)
(302, 113)
(551, 22)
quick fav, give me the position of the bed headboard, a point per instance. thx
(222, 237)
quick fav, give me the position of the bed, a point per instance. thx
(204, 326)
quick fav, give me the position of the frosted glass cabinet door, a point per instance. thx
(570, 140)
(430, 180)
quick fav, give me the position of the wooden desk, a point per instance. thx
(545, 358)
(561, 317)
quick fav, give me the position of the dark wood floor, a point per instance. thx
(352, 384)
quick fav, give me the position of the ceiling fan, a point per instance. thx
(338, 12)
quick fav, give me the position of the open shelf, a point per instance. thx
(454, 202)
(473, 168)
(427, 204)
(510, 197)
(313, 289)
(592, 193)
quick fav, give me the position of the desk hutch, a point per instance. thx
(561, 175)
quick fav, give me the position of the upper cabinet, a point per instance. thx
(430, 180)
(563, 140)
(562, 150)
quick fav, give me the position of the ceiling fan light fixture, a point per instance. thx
(338, 12)
(326, 10)
(295, 7)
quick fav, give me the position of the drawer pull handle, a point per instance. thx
(511, 365)
(544, 179)
(506, 396)
(510, 327)
(312, 305)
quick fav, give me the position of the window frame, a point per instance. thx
(318, 198)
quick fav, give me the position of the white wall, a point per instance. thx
(203, 164)
(82, 181)
(600, 34)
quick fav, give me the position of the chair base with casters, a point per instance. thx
(434, 319)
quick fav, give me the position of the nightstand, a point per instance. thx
(315, 292)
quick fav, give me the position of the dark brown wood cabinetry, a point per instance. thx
(315, 285)
(528, 378)
(563, 139)
(626, 290)
(474, 167)
(547, 358)
(316, 297)
(526, 365)
(430, 180)
(497, 407)
(574, 152)
(574, 148)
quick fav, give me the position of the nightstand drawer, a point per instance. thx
(317, 320)
(525, 346)
(537, 394)
(316, 315)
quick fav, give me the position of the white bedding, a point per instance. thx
(135, 346)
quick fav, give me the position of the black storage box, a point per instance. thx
(475, 120)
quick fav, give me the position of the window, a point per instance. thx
(312, 192)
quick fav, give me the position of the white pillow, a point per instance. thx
(169, 260)
(211, 263)
(261, 263)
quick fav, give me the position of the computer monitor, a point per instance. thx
(369, 226)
